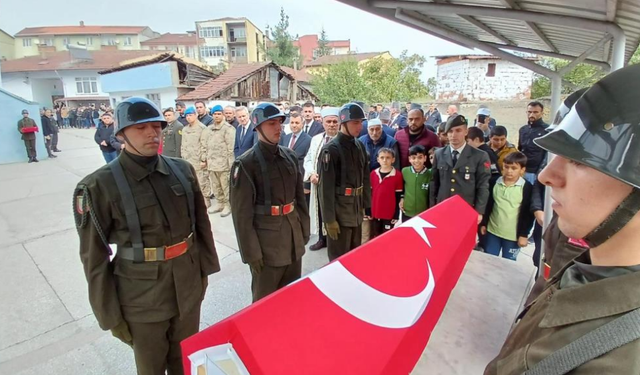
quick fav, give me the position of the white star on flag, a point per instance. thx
(419, 225)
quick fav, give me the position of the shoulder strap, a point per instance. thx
(266, 184)
(131, 211)
(188, 188)
(594, 344)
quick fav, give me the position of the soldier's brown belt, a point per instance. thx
(281, 210)
(158, 254)
(350, 192)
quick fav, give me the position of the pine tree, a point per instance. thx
(282, 52)
(323, 45)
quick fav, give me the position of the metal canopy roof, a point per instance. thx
(557, 28)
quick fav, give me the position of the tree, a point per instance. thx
(635, 59)
(432, 87)
(582, 75)
(395, 79)
(282, 52)
(323, 45)
(378, 80)
(340, 83)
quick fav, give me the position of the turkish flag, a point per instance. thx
(369, 312)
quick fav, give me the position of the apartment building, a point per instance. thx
(32, 40)
(7, 49)
(230, 41)
(184, 44)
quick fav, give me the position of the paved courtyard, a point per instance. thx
(46, 323)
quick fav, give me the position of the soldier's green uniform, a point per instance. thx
(344, 190)
(28, 138)
(157, 286)
(219, 140)
(194, 151)
(172, 139)
(468, 177)
(586, 320)
(270, 213)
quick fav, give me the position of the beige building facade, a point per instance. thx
(230, 41)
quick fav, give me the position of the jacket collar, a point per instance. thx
(615, 295)
(391, 174)
(537, 124)
(344, 139)
(138, 171)
(218, 127)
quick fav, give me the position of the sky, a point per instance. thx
(367, 32)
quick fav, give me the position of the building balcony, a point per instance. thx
(232, 39)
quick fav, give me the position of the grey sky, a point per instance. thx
(368, 33)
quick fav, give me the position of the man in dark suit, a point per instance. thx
(245, 136)
(398, 120)
(459, 169)
(310, 126)
(297, 140)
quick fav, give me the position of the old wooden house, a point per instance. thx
(247, 84)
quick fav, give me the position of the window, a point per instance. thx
(155, 98)
(189, 52)
(211, 32)
(238, 51)
(26, 42)
(87, 85)
(491, 70)
(109, 41)
(127, 41)
(66, 41)
(89, 41)
(48, 42)
(207, 51)
(239, 33)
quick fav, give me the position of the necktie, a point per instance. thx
(455, 157)
(293, 141)
(306, 128)
(327, 139)
(242, 134)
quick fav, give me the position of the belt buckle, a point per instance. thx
(150, 254)
(275, 210)
(287, 209)
(348, 191)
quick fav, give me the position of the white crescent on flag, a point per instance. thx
(368, 304)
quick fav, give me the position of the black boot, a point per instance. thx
(30, 160)
(35, 159)
(52, 156)
(318, 245)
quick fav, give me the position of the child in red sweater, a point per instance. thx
(386, 185)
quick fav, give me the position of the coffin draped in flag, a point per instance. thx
(369, 312)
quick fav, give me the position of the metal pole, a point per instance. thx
(603, 65)
(556, 91)
(617, 54)
(584, 55)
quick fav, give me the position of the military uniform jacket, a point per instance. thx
(27, 123)
(172, 139)
(148, 291)
(347, 210)
(219, 141)
(193, 148)
(559, 316)
(469, 178)
(277, 240)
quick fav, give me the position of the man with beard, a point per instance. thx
(415, 134)
(230, 115)
(330, 124)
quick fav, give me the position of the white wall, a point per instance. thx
(167, 96)
(15, 84)
(467, 80)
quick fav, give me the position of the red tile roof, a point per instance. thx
(80, 30)
(172, 39)
(102, 60)
(213, 87)
(335, 59)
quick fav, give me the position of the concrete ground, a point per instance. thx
(46, 323)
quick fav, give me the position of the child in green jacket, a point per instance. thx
(416, 178)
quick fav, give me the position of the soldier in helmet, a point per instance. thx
(270, 213)
(194, 150)
(151, 208)
(586, 319)
(345, 189)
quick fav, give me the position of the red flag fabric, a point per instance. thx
(369, 312)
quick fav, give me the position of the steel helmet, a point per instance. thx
(565, 108)
(602, 131)
(264, 112)
(351, 111)
(136, 110)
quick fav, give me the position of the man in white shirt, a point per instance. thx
(331, 124)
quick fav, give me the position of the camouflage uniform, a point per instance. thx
(218, 141)
(193, 151)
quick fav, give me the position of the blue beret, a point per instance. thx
(190, 110)
(215, 109)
